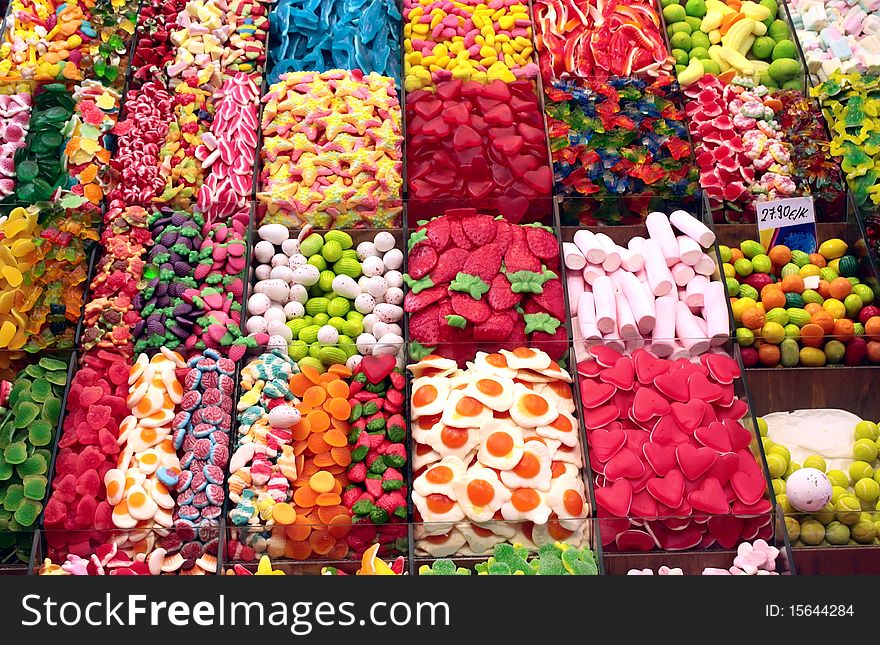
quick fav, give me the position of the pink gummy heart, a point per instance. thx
(616, 499)
(605, 356)
(647, 404)
(643, 506)
(666, 431)
(681, 540)
(594, 394)
(723, 369)
(710, 498)
(604, 444)
(636, 438)
(673, 385)
(724, 467)
(624, 464)
(668, 490)
(689, 415)
(749, 487)
(726, 529)
(611, 527)
(694, 461)
(648, 367)
(660, 457)
(428, 109)
(589, 369)
(513, 209)
(713, 436)
(740, 437)
(540, 180)
(88, 484)
(699, 387)
(736, 411)
(466, 137)
(501, 115)
(623, 399)
(622, 375)
(634, 540)
(509, 145)
(599, 417)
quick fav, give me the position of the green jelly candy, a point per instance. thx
(6, 432)
(57, 378)
(34, 487)
(33, 465)
(311, 245)
(40, 432)
(14, 497)
(15, 453)
(52, 364)
(28, 512)
(27, 170)
(25, 413)
(5, 470)
(34, 370)
(52, 409)
(332, 251)
(340, 237)
(41, 390)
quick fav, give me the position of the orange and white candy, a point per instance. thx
(480, 493)
(530, 434)
(495, 392)
(423, 455)
(559, 394)
(533, 469)
(563, 428)
(433, 365)
(479, 539)
(463, 411)
(555, 372)
(137, 368)
(429, 396)
(422, 427)
(501, 444)
(526, 504)
(570, 454)
(122, 519)
(440, 478)
(453, 442)
(493, 363)
(149, 461)
(140, 505)
(525, 358)
(441, 546)
(566, 498)
(114, 483)
(437, 508)
(160, 493)
(530, 409)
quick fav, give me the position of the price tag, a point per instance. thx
(790, 222)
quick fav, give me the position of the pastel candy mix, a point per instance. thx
(154, 49)
(498, 152)
(496, 441)
(475, 281)
(32, 408)
(109, 559)
(87, 450)
(246, 48)
(466, 39)
(851, 104)
(617, 137)
(667, 449)
(15, 112)
(378, 456)
(110, 315)
(288, 471)
(573, 42)
(739, 146)
(200, 35)
(838, 36)
(201, 436)
(139, 138)
(335, 34)
(332, 150)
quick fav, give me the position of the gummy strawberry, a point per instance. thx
(555, 345)
(475, 311)
(484, 262)
(390, 502)
(437, 231)
(456, 231)
(551, 299)
(85, 511)
(424, 326)
(542, 243)
(421, 261)
(418, 301)
(500, 296)
(398, 380)
(519, 258)
(480, 229)
(374, 486)
(497, 328)
(449, 264)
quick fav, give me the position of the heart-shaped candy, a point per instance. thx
(376, 368)
(673, 385)
(648, 366)
(636, 438)
(724, 467)
(595, 418)
(624, 464)
(694, 461)
(661, 457)
(633, 540)
(736, 410)
(643, 506)
(710, 498)
(726, 529)
(666, 431)
(647, 404)
(689, 415)
(604, 355)
(713, 436)
(595, 393)
(681, 540)
(616, 499)
(749, 487)
(740, 437)
(668, 490)
(723, 369)
(622, 375)
(699, 387)
(604, 444)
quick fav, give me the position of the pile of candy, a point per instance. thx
(15, 112)
(477, 281)
(154, 48)
(838, 36)
(756, 558)
(86, 152)
(332, 150)
(556, 559)
(503, 446)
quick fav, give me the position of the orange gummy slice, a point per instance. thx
(340, 370)
(324, 459)
(339, 551)
(283, 513)
(341, 455)
(321, 542)
(301, 430)
(317, 443)
(311, 373)
(338, 389)
(328, 499)
(299, 530)
(319, 422)
(339, 526)
(314, 396)
(298, 550)
(338, 409)
(305, 496)
(336, 438)
(299, 383)
(327, 513)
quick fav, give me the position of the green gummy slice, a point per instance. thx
(41, 390)
(34, 370)
(52, 409)
(34, 487)
(5, 470)
(28, 512)
(14, 497)
(22, 386)
(33, 465)
(57, 378)
(40, 432)
(52, 364)
(15, 453)
(6, 432)
(25, 413)
(27, 170)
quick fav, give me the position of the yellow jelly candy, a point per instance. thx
(7, 332)
(12, 275)
(21, 248)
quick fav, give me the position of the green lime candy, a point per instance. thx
(794, 84)
(309, 334)
(14, 497)
(297, 350)
(28, 512)
(674, 13)
(320, 319)
(761, 263)
(325, 280)
(40, 432)
(748, 291)
(778, 30)
(311, 362)
(699, 52)
(679, 27)
(696, 8)
(762, 48)
(297, 325)
(333, 356)
(681, 40)
(316, 306)
(315, 351)
(789, 269)
(799, 258)
(338, 306)
(784, 48)
(52, 364)
(767, 81)
(699, 39)
(784, 69)
(337, 323)
(347, 345)
(332, 250)
(36, 464)
(353, 328)
(311, 245)
(340, 237)
(681, 56)
(733, 287)
(25, 413)
(34, 487)
(711, 67)
(348, 266)
(318, 261)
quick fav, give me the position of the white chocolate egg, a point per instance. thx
(353, 361)
(263, 251)
(501, 444)
(394, 296)
(388, 313)
(388, 344)
(376, 286)
(299, 293)
(263, 271)
(808, 489)
(393, 259)
(276, 328)
(369, 322)
(366, 250)
(282, 272)
(277, 290)
(276, 342)
(381, 328)
(294, 309)
(283, 416)
(274, 233)
(365, 343)
(279, 259)
(328, 335)
(256, 325)
(384, 241)
(480, 493)
(346, 287)
(297, 260)
(290, 246)
(275, 313)
(306, 275)
(394, 278)
(373, 266)
(258, 304)
(365, 303)
(440, 478)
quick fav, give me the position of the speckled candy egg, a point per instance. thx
(376, 286)
(277, 290)
(278, 342)
(258, 304)
(346, 287)
(353, 361)
(365, 343)
(394, 278)
(394, 296)
(365, 303)
(276, 328)
(263, 271)
(290, 246)
(279, 259)
(297, 260)
(808, 489)
(256, 325)
(393, 259)
(275, 314)
(294, 309)
(299, 293)
(306, 275)
(384, 241)
(373, 266)
(366, 250)
(328, 335)
(264, 251)
(283, 416)
(282, 272)
(274, 233)
(388, 313)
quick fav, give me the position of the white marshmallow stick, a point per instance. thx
(662, 234)
(612, 253)
(589, 246)
(593, 272)
(575, 286)
(694, 291)
(705, 265)
(574, 259)
(715, 313)
(639, 303)
(663, 338)
(626, 322)
(586, 317)
(693, 228)
(688, 250)
(688, 331)
(682, 274)
(659, 277)
(606, 308)
(631, 260)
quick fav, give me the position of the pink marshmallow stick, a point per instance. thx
(705, 265)
(701, 324)
(662, 234)
(631, 260)
(694, 291)
(633, 344)
(606, 308)
(612, 253)
(589, 246)
(626, 322)
(693, 228)
(688, 331)
(574, 259)
(659, 277)
(678, 351)
(663, 337)
(682, 274)
(639, 302)
(688, 250)
(613, 340)
(635, 243)
(593, 272)
(574, 285)
(715, 313)
(586, 316)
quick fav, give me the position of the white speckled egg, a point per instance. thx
(388, 313)
(256, 325)
(365, 343)
(278, 259)
(376, 286)
(277, 341)
(299, 293)
(306, 275)
(394, 278)
(808, 489)
(369, 322)
(275, 233)
(277, 328)
(353, 361)
(388, 344)
(277, 290)
(282, 272)
(258, 304)
(275, 313)
(346, 287)
(381, 328)
(297, 260)
(393, 259)
(263, 251)
(394, 296)
(364, 303)
(328, 335)
(384, 241)
(263, 271)
(294, 309)
(366, 250)
(290, 246)
(283, 416)
(373, 266)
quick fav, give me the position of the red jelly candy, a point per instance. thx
(65, 489)
(65, 464)
(118, 373)
(88, 484)
(88, 459)
(90, 395)
(55, 512)
(86, 434)
(103, 516)
(85, 511)
(107, 442)
(98, 416)
(86, 376)
(117, 405)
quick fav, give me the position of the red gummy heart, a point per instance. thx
(85, 511)
(625, 464)
(636, 438)
(737, 410)
(666, 431)
(749, 487)
(622, 375)
(604, 444)
(710, 498)
(616, 499)
(642, 482)
(660, 457)
(694, 461)
(673, 385)
(724, 467)
(456, 114)
(540, 180)
(513, 209)
(648, 366)
(643, 506)
(376, 368)
(723, 369)
(633, 540)
(740, 437)
(648, 404)
(668, 490)
(681, 540)
(713, 436)
(726, 529)
(728, 395)
(699, 387)
(761, 507)
(689, 415)
(594, 394)
(604, 355)
(623, 399)
(509, 145)
(466, 137)
(610, 528)
(596, 418)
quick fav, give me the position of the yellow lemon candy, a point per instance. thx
(7, 332)
(834, 307)
(322, 482)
